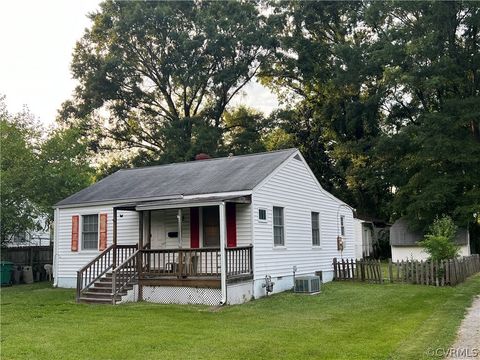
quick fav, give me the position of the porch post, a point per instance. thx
(114, 237)
(223, 260)
(179, 218)
(149, 227)
(140, 257)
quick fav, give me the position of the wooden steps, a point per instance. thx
(101, 292)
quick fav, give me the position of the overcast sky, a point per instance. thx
(36, 42)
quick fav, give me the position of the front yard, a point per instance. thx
(350, 321)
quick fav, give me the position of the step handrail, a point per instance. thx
(124, 274)
(99, 266)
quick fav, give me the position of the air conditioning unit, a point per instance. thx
(307, 284)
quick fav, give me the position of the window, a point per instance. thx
(278, 227)
(211, 226)
(262, 215)
(90, 232)
(342, 225)
(315, 229)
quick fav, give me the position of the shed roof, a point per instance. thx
(219, 175)
(401, 235)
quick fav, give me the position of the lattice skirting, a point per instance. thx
(181, 295)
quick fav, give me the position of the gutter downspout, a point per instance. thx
(223, 259)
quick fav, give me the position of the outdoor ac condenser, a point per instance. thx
(307, 284)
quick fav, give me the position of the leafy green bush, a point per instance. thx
(439, 242)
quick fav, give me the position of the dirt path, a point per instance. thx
(468, 338)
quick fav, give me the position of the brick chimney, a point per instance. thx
(202, 156)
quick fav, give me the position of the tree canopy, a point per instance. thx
(37, 169)
(382, 98)
(166, 71)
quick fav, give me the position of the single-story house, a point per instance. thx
(206, 231)
(404, 242)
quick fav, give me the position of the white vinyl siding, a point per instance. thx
(315, 228)
(293, 188)
(278, 226)
(90, 232)
(68, 261)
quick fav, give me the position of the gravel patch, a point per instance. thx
(467, 344)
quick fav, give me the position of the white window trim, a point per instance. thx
(80, 224)
(319, 246)
(284, 245)
(342, 226)
(266, 215)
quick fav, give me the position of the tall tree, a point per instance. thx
(63, 168)
(325, 64)
(18, 213)
(431, 66)
(245, 130)
(166, 71)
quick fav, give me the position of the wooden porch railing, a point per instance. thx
(239, 261)
(187, 262)
(95, 269)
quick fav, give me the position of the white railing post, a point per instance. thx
(223, 258)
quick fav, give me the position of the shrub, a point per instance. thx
(439, 242)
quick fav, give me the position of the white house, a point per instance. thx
(404, 242)
(206, 231)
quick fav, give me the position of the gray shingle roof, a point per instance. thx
(401, 235)
(211, 176)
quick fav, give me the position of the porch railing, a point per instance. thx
(99, 266)
(239, 261)
(187, 262)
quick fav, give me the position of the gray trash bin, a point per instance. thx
(17, 274)
(27, 274)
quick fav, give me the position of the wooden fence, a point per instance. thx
(34, 256)
(357, 270)
(436, 273)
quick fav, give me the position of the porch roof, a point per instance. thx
(191, 202)
(175, 181)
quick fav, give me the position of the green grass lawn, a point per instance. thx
(347, 320)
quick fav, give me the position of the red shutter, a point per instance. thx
(194, 228)
(231, 225)
(103, 232)
(75, 221)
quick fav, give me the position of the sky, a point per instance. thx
(36, 42)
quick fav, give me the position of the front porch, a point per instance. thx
(154, 262)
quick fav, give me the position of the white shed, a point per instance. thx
(404, 242)
(206, 231)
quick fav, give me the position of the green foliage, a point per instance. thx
(244, 130)
(36, 172)
(439, 242)
(384, 101)
(431, 145)
(18, 135)
(63, 168)
(166, 71)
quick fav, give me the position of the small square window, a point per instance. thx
(262, 215)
